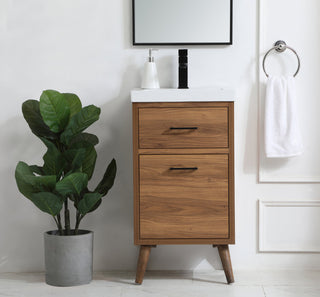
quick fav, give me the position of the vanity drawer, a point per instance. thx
(184, 127)
(184, 196)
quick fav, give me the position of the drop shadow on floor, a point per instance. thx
(129, 277)
(126, 278)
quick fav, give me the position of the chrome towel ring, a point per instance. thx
(280, 46)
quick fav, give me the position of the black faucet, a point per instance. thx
(183, 69)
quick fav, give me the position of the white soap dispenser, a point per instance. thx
(150, 75)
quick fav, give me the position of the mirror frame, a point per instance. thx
(186, 43)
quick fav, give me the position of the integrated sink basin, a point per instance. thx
(183, 95)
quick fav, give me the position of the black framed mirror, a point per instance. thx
(182, 22)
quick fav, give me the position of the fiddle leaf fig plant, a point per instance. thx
(59, 119)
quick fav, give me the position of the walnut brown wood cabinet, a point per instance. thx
(183, 177)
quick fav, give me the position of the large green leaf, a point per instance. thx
(53, 159)
(73, 102)
(47, 202)
(89, 161)
(74, 158)
(95, 206)
(54, 110)
(28, 183)
(21, 174)
(83, 139)
(108, 179)
(90, 158)
(88, 201)
(79, 122)
(37, 169)
(42, 183)
(31, 113)
(74, 183)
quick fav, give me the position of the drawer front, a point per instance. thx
(184, 196)
(183, 127)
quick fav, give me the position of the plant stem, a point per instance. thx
(78, 220)
(58, 225)
(66, 217)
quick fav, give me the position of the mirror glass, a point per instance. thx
(165, 22)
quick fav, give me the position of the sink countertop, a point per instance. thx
(183, 95)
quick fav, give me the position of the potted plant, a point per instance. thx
(59, 120)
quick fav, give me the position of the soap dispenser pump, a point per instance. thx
(150, 75)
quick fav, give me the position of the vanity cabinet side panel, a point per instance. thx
(136, 196)
(231, 175)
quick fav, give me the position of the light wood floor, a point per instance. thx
(171, 284)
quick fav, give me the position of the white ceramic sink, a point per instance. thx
(183, 95)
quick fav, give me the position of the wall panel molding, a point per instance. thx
(289, 226)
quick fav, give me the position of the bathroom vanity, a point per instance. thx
(183, 170)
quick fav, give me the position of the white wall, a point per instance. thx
(84, 46)
(301, 31)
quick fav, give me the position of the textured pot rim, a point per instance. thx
(85, 233)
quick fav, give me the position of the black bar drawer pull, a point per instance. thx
(183, 168)
(183, 128)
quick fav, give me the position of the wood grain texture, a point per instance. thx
(184, 203)
(210, 127)
(226, 262)
(187, 151)
(231, 175)
(144, 254)
(136, 196)
(182, 104)
(181, 241)
(183, 151)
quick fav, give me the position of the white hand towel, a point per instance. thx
(282, 131)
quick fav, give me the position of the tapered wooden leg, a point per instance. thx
(226, 262)
(142, 262)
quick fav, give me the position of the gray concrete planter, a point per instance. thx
(68, 259)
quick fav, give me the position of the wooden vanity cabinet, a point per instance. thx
(183, 177)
